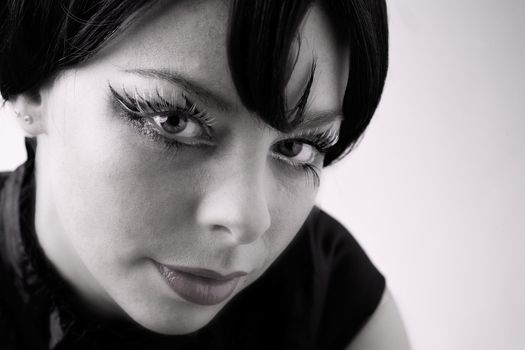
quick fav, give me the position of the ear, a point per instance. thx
(29, 110)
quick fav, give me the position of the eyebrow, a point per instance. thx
(311, 120)
(187, 84)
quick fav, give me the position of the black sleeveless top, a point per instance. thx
(316, 295)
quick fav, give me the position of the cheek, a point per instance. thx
(119, 200)
(290, 208)
(108, 193)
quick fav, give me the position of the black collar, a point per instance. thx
(28, 295)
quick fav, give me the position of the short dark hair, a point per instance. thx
(40, 38)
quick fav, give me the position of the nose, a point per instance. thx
(235, 200)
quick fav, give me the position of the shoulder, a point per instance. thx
(334, 240)
(353, 286)
(359, 310)
(317, 294)
(384, 330)
(343, 257)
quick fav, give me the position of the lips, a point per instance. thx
(199, 286)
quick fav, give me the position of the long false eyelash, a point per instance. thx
(141, 105)
(312, 172)
(138, 108)
(328, 139)
(322, 141)
(146, 104)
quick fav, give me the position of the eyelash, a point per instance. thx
(322, 141)
(137, 108)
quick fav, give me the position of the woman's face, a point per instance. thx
(152, 172)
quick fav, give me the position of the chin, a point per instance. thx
(178, 323)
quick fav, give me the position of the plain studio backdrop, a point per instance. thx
(435, 192)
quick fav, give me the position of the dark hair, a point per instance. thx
(40, 38)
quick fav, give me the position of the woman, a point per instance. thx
(175, 152)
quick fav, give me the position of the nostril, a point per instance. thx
(216, 228)
(242, 234)
(235, 207)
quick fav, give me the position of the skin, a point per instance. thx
(110, 200)
(384, 330)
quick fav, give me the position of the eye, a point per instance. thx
(180, 125)
(296, 151)
(173, 121)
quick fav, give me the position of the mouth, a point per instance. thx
(199, 286)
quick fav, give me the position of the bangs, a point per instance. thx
(261, 59)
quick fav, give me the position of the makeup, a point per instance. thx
(199, 286)
(175, 122)
(171, 119)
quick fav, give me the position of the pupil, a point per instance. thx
(290, 148)
(175, 123)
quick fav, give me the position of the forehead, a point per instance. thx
(190, 38)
